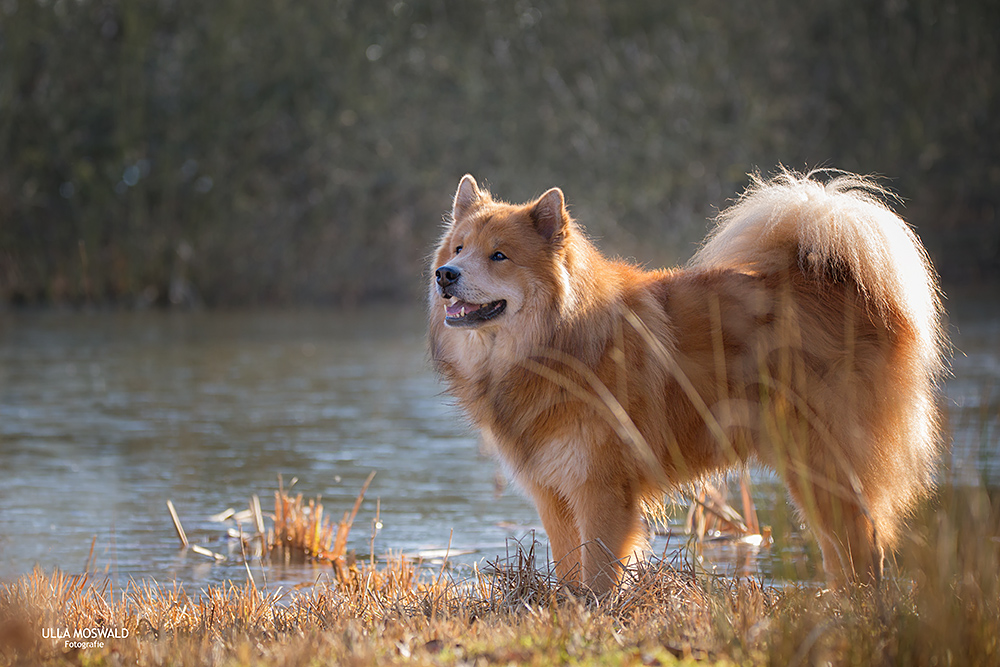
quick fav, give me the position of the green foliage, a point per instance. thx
(259, 151)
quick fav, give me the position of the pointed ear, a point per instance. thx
(549, 214)
(466, 197)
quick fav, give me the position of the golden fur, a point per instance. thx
(805, 333)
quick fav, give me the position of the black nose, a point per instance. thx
(447, 275)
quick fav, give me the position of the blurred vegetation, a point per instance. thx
(255, 151)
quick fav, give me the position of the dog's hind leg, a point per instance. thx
(843, 527)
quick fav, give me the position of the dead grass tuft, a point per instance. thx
(303, 533)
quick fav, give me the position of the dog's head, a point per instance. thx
(498, 263)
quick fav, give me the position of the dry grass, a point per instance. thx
(302, 533)
(943, 607)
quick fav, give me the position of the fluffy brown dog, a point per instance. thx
(805, 333)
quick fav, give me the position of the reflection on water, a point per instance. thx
(973, 391)
(103, 417)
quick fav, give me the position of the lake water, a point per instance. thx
(106, 416)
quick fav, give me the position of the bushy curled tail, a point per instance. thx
(794, 220)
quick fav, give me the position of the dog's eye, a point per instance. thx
(498, 256)
(458, 249)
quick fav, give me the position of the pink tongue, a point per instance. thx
(455, 309)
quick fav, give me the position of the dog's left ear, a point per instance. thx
(549, 214)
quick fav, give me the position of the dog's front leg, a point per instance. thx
(611, 530)
(560, 527)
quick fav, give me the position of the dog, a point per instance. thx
(805, 334)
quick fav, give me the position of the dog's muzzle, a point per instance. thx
(462, 313)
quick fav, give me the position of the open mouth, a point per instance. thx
(461, 313)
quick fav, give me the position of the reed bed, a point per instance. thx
(303, 533)
(942, 606)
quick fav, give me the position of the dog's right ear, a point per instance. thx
(466, 197)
